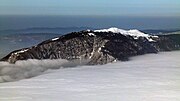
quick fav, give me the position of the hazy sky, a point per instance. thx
(91, 7)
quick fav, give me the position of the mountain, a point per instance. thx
(97, 46)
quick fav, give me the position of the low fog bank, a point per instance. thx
(30, 68)
(151, 77)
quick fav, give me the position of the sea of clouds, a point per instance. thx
(151, 77)
(32, 67)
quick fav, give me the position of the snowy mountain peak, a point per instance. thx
(112, 29)
(134, 33)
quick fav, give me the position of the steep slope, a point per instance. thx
(96, 47)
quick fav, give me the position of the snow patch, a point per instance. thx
(88, 30)
(21, 51)
(55, 39)
(91, 34)
(134, 33)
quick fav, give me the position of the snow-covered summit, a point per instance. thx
(134, 33)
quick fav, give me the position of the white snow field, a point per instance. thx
(134, 33)
(151, 77)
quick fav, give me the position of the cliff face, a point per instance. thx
(98, 47)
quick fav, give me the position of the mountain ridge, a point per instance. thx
(96, 46)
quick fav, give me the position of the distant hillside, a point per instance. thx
(63, 30)
(57, 30)
(155, 32)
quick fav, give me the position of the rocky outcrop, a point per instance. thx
(98, 47)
